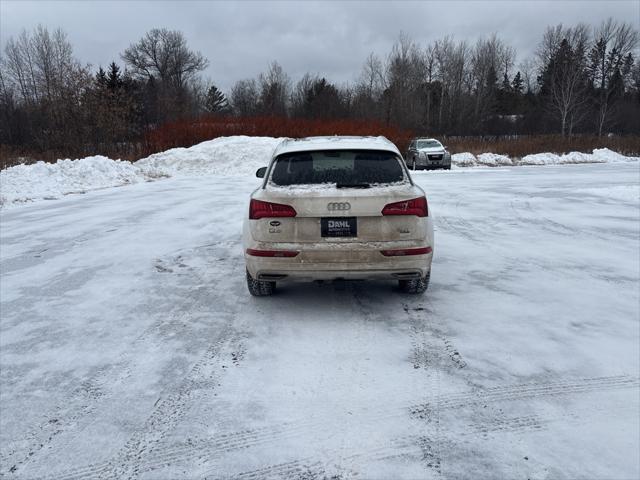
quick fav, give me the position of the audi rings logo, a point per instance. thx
(341, 206)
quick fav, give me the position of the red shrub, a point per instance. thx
(190, 132)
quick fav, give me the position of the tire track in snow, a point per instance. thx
(80, 404)
(525, 391)
(427, 354)
(475, 231)
(159, 455)
(410, 446)
(217, 446)
(85, 399)
(431, 345)
(167, 413)
(534, 217)
(311, 469)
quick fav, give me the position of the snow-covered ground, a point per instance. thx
(239, 155)
(130, 347)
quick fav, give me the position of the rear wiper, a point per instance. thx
(353, 185)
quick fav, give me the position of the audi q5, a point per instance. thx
(337, 208)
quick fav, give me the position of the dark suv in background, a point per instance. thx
(427, 153)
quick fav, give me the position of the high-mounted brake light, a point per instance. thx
(271, 253)
(406, 251)
(416, 206)
(259, 209)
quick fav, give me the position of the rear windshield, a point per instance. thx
(344, 168)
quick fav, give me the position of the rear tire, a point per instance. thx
(259, 288)
(417, 286)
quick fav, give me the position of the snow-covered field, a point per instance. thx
(239, 155)
(129, 346)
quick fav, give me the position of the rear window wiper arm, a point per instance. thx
(352, 185)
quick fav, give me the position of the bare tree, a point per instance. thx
(404, 77)
(244, 97)
(275, 87)
(163, 54)
(528, 70)
(372, 76)
(452, 73)
(299, 93)
(18, 64)
(562, 57)
(489, 58)
(40, 66)
(365, 96)
(610, 64)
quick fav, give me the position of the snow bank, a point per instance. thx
(465, 159)
(599, 155)
(223, 156)
(40, 181)
(493, 159)
(239, 155)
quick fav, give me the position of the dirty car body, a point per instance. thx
(337, 208)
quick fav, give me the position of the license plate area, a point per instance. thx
(339, 227)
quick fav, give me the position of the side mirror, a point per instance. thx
(261, 172)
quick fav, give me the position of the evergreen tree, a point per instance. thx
(114, 78)
(517, 84)
(322, 100)
(101, 78)
(215, 101)
(506, 84)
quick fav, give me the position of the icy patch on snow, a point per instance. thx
(239, 155)
(43, 181)
(624, 193)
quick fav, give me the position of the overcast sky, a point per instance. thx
(329, 38)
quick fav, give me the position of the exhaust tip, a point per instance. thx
(271, 277)
(407, 275)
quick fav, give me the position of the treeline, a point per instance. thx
(582, 80)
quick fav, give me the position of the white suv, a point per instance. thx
(337, 208)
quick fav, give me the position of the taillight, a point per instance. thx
(416, 206)
(259, 209)
(402, 252)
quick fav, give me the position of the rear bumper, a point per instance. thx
(342, 263)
